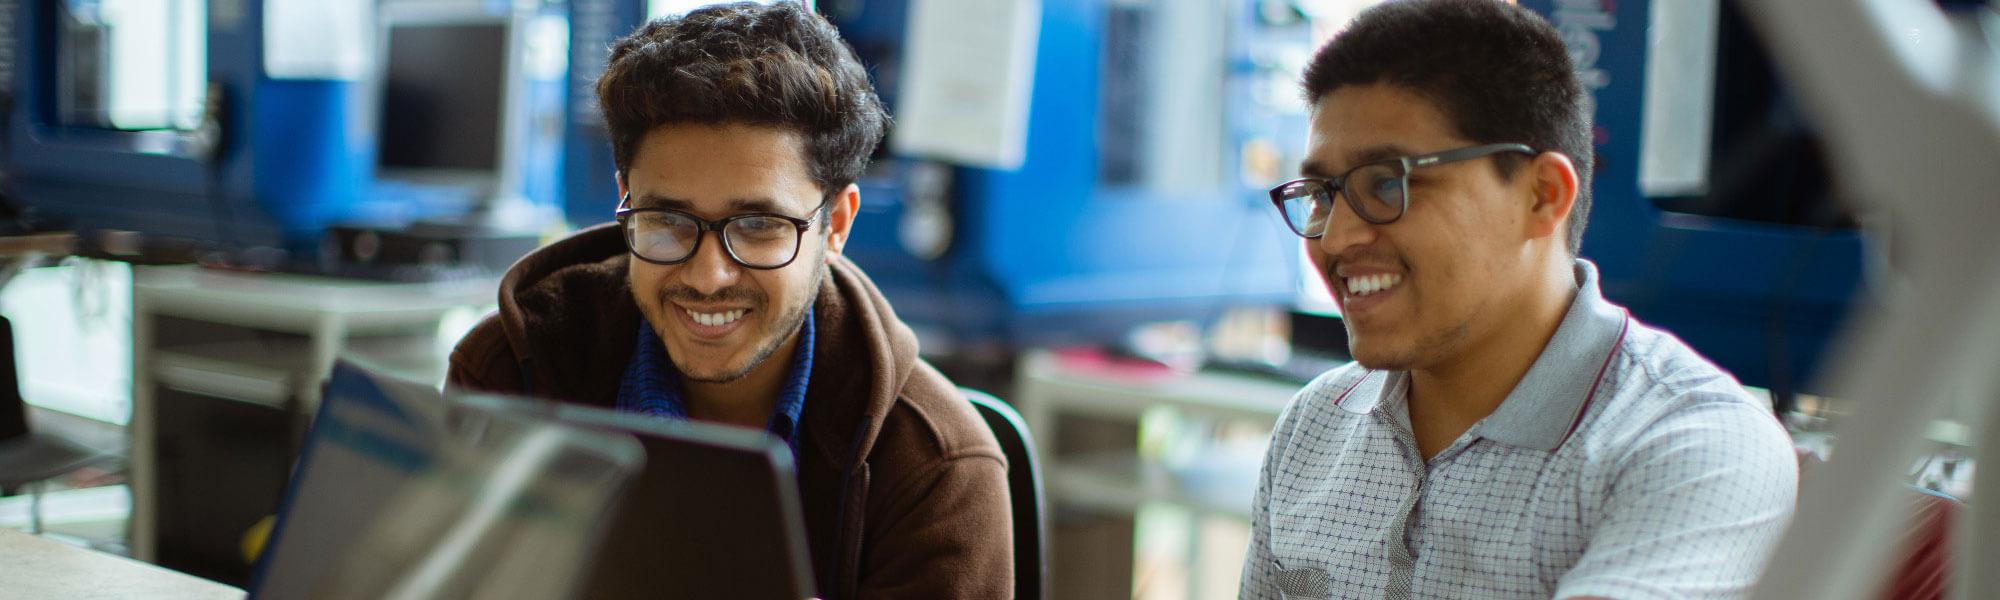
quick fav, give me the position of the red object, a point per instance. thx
(1095, 361)
(1925, 572)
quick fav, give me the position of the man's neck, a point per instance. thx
(1448, 398)
(746, 402)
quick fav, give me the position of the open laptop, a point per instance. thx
(403, 492)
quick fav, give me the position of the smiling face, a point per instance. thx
(721, 320)
(1420, 291)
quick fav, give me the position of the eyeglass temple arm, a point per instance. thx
(1468, 154)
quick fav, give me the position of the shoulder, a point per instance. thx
(932, 422)
(1656, 375)
(1319, 405)
(1666, 398)
(935, 449)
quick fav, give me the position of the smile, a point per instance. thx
(1372, 284)
(715, 319)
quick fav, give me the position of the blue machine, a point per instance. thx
(273, 159)
(1761, 299)
(1077, 244)
(589, 174)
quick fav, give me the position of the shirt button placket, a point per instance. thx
(1402, 563)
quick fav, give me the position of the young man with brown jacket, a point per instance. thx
(721, 295)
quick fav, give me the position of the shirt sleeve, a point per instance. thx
(1694, 509)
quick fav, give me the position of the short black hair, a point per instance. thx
(1498, 72)
(776, 65)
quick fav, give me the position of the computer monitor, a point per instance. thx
(403, 491)
(450, 105)
(442, 92)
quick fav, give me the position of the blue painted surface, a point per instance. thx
(300, 154)
(590, 187)
(148, 181)
(1047, 253)
(1762, 300)
(309, 159)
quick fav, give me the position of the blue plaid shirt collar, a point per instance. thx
(651, 386)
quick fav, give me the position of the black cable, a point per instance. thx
(212, 139)
(10, 211)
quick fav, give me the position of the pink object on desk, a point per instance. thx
(1097, 362)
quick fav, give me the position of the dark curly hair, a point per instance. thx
(1498, 72)
(777, 65)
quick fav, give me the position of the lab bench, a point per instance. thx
(226, 373)
(1086, 415)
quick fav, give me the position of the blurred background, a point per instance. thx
(203, 202)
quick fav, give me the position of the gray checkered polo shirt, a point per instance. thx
(1623, 465)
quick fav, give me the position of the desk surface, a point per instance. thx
(285, 302)
(34, 567)
(307, 293)
(1045, 377)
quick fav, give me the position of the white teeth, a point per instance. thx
(1369, 284)
(716, 319)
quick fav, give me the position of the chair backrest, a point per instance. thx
(1024, 480)
(13, 409)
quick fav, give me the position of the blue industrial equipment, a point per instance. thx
(1762, 299)
(276, 158)
(1109, 222)
(1083, 240)
(590, 187)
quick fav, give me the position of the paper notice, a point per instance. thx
(968, 70)
(318, 39)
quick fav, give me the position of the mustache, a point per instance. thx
(1365, 257)
(687, 295)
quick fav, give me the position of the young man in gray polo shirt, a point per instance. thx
(1504, 432)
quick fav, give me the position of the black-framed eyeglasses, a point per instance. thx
(664, 236)
(1377, 191)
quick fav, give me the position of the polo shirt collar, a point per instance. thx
(1549, 402)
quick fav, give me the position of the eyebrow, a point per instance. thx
(737, 205)
(1377, 153)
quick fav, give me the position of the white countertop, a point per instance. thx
(35, 567)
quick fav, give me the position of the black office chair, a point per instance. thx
(29, 459)
(1024, 480)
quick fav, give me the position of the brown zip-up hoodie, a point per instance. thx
(904, 487)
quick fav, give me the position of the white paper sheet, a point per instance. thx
(318, 39)
(968, 70)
